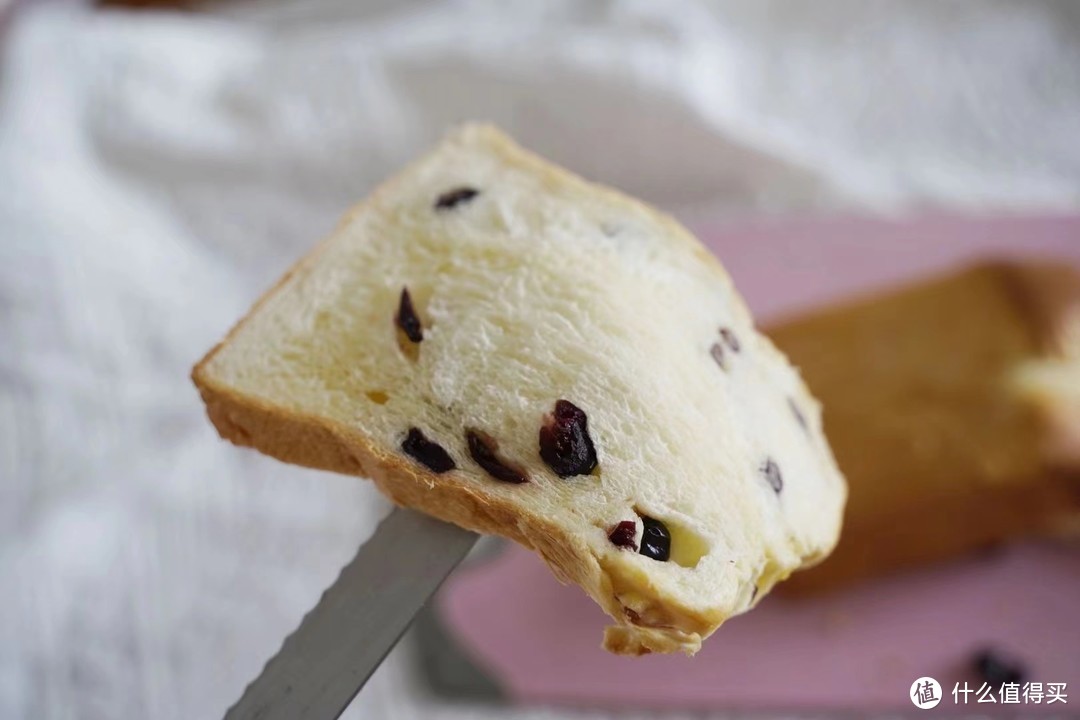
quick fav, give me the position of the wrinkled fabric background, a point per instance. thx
(158, 171)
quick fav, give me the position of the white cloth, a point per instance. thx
(158, 171)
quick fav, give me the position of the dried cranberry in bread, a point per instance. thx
(503, 345)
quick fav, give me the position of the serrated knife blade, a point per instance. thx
(323, 664)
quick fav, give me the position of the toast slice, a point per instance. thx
(953, 406)
(505, 346)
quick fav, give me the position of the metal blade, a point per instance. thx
(338, 645)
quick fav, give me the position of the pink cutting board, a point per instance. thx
(859, 649)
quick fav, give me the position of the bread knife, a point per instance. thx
(323, 664)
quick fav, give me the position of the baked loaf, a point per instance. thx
(505, 346)
(953, 406)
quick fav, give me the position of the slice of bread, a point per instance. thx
(505, 346)
(953, 406)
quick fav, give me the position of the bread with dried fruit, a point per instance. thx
(508, 347)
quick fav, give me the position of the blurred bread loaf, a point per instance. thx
(953, 407)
